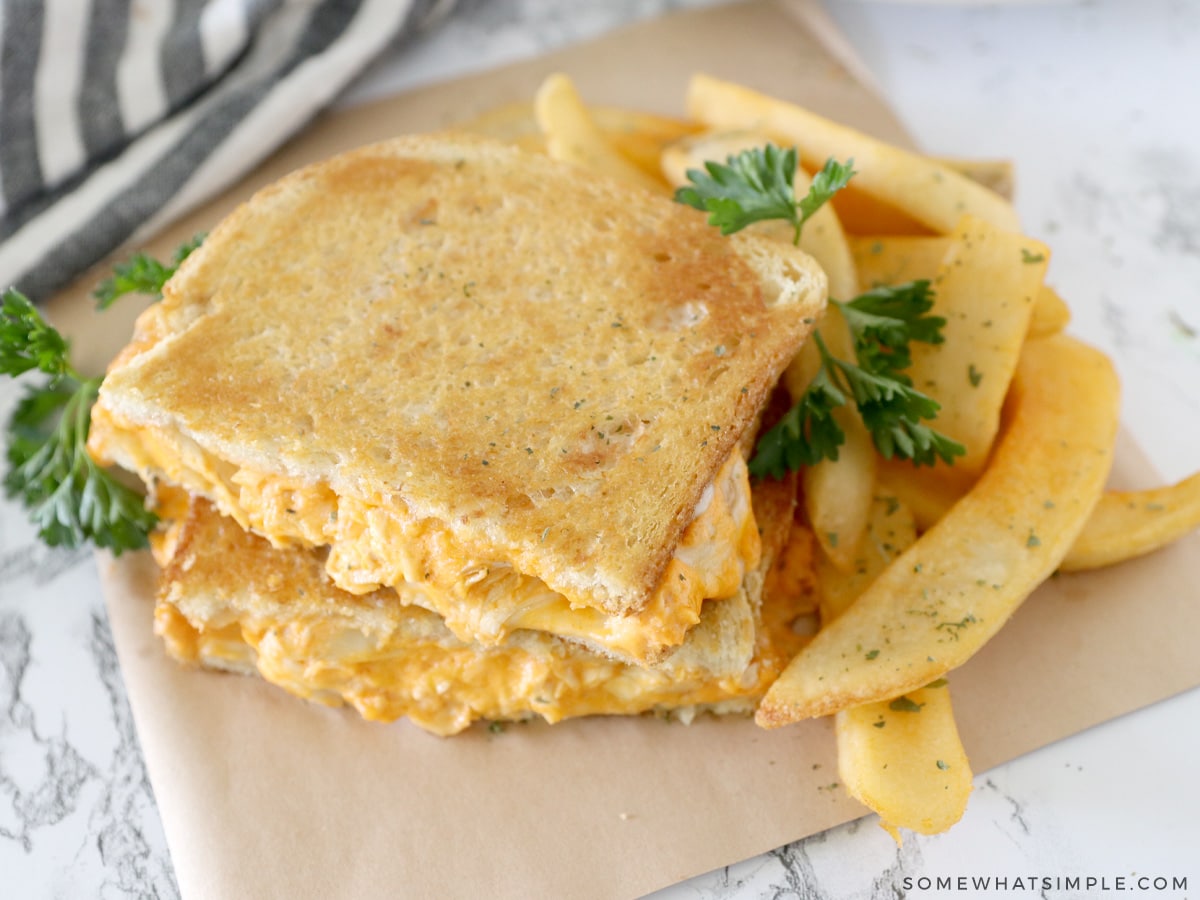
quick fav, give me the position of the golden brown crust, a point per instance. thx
(551, 365)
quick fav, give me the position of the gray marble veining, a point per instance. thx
(77, 813)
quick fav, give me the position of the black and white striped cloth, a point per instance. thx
(116, 116)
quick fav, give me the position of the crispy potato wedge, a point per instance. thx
(928, 491)
(573, 136)
(863, 214)
(924, 189)
(994, 174)
(904, 760)
(641, 137)
(837, 494)
(891, 529)
(1124, 525)
(952, 590)
(985, 289)
(1050, 313)
(883, 260)
(1127, 524)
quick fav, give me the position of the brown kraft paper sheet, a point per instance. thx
(265, 795)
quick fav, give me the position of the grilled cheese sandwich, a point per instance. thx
(486, 392)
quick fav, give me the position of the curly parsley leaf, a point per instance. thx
(759, 184)
(832, 178)
(69, 497)
(882, 322)
(805, 435)
(142, 274)
(27, 342)
(892, 410)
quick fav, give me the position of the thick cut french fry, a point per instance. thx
(904, 760)
(1050, 313)
(862, 214)
(883, 260)
(926, 190)
(662, 129)
(1124, 525)
(994, 174)
(891, 529)
(837, 494)
(894, 260)
(985, 289)
(572, 135)
(641, 137)
(941, 600)
(929, 491)
(1127, 524)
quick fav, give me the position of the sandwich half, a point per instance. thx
(510, 394)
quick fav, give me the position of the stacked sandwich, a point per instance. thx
(449, 431)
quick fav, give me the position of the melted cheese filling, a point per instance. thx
(437, 681)
(480, 601)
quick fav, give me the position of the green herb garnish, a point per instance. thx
(759, 184)
(142, 274)
(904, 704)
(70, 499)
(882, 323)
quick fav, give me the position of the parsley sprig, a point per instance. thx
(882, 322)
(142, 274)
(759, 184)
(70, 499)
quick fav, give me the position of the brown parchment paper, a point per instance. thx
(262, 795)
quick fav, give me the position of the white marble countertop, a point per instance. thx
(1099, 105)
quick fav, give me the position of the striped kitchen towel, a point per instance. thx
(117, 116)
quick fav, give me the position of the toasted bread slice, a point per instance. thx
(229, 600)
(440, 356)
